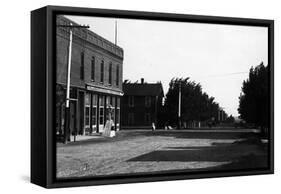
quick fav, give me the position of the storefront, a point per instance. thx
(98, 103)
(89, 110)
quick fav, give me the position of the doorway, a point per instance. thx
(72, 124)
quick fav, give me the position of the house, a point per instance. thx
(95, 79)
(141, 104)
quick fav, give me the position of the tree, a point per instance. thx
(230, 119)
(254, 98)
(195, 104)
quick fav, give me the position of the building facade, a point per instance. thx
(95, 80)
(141, 105)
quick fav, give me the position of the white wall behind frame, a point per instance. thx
(15, 95)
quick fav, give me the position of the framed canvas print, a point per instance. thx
(125, 96)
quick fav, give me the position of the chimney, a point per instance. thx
(142, 81)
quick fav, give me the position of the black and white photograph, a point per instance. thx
(140, 97)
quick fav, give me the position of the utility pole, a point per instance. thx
(221, 116)
(67, 108)
(179, 110)
(115, 32)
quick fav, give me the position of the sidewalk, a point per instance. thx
(85, 137)
(82, 138)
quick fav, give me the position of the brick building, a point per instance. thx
(96, 80)
(141, 104)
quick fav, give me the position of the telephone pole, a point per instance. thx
(115, 34)
(179, 108)
(67, 108)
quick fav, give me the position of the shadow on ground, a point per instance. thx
(202, 135)
(245, 154)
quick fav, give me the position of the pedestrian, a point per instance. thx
(153, 126)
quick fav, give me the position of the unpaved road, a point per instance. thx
(147, 151)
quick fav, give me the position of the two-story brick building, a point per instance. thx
(95, 79)
(141, 104)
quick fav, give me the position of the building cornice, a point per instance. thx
(90, 37)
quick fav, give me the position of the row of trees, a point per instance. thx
(196, 105)
(254, 99)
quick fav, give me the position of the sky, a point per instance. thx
(216, 56)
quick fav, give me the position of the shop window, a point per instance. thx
(94, 111)
(107, 101)
(101, 110)
(94, 116)
(112, 103)
(101, 115)
(87, 110)
(87, 116)
(107, 105)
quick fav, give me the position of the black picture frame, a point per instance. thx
(43, 51)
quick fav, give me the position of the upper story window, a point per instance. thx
(117, 75)
(82, 66)
(102, 71)
(147, 101)
(110, 74)
(93, 66)
(131, 101)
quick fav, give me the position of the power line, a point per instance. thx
(223, 75)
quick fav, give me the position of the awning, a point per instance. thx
(104, 90)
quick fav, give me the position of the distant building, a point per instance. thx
(141, 104)
(95, 79)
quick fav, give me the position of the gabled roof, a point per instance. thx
(143, 89)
